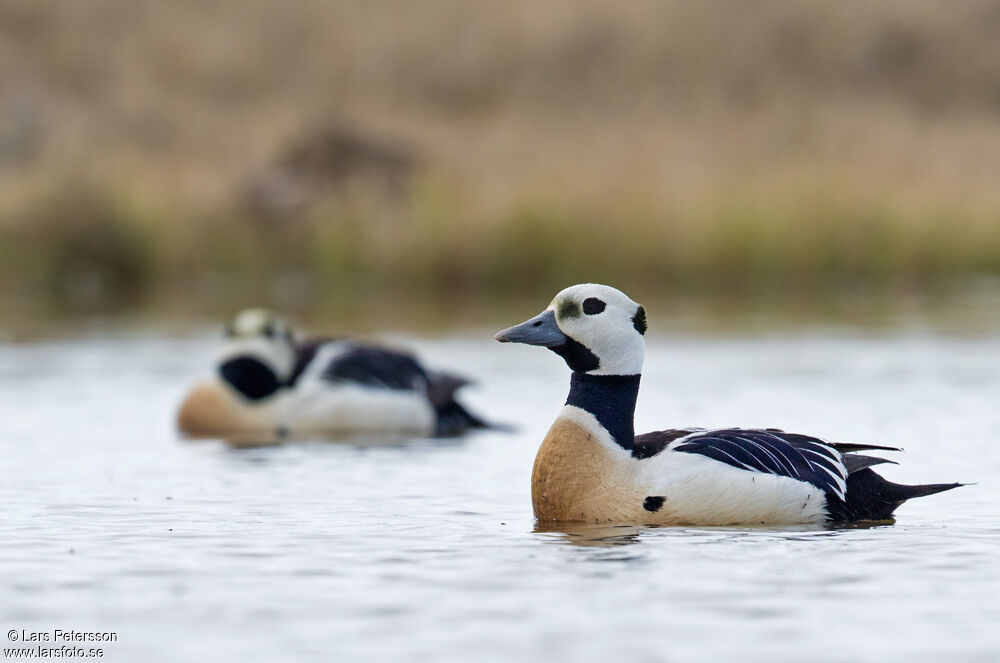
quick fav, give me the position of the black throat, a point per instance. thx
(250, 376)
(611, 399)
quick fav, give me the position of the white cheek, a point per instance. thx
(612, 337)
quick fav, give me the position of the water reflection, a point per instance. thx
(590, 536)
(257, 441)
(862, 524)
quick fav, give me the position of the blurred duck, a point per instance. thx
(592, 467)
(268, 384)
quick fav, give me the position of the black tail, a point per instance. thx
(857, 462)
(847, 447)
(441, 387)
(452, 417)
(870, 497)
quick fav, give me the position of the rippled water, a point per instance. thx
(426, 550)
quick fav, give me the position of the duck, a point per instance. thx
(592, 468)
(269, 384)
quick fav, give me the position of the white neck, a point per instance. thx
(622, 359)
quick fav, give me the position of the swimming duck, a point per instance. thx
(591, 467)
(267, 383)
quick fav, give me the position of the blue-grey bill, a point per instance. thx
(540, 330)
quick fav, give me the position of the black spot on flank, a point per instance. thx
(639, 320)
(593, 305)
(569, 309)
(653, 503)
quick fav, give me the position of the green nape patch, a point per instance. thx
(569, 309)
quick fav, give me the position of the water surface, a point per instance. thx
(426, 550)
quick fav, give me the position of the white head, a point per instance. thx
(595, 328)
(260, 335)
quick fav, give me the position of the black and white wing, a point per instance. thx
(374, 366)
(305, 354)
(648, 445)
(342, 362)
(772, 451)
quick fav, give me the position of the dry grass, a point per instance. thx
(709, 147)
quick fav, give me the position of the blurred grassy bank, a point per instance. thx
(440, 261)
(435, 161)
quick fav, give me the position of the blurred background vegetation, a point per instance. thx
(432, 163)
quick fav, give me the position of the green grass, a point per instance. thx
(89, 249)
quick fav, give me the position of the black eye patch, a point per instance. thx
(593, 305)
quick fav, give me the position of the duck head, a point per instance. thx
(595, 328)
(258, 356)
